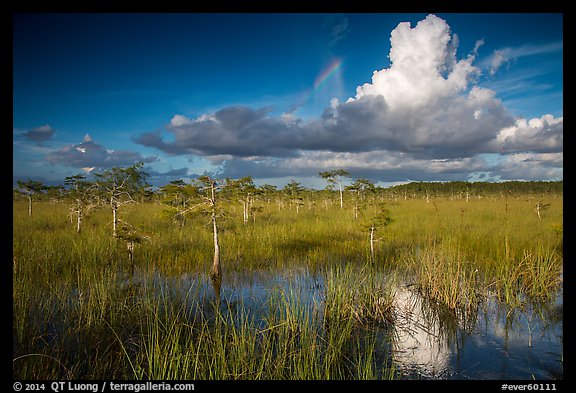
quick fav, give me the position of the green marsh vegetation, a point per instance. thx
(88, 305)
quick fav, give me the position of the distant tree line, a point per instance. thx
(245, 192)
(463, 190)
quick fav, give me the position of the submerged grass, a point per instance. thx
(289, 340)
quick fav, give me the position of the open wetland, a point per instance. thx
(451, 289)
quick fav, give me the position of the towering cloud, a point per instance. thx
(424, 66)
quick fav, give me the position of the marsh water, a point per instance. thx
(425, 341)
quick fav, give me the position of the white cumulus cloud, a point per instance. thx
(424, 66)
(179, 121)
(544, 134)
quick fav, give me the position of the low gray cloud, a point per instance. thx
(39, 134)
(159, 178)
(378, 165)
(89, 155)
(453, 126)
(530, 166)
(236, 130)
(180, 172)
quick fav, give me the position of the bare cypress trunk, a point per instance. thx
(245, 211)
(216, 284)
(215, 272)
(538, 208)
(130, 248)
(249, 204)
(372, 243)
(341, 197)
(78, 220)
(114, 218)
(29, 204)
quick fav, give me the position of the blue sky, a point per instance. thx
(415, 96)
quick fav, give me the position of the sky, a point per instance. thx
(389, 97)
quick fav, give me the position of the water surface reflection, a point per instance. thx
(428, 341)
(495, 343)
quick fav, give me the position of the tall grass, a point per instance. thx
(291, 340)
(462, 251)
(81, 311)
(446, 276)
